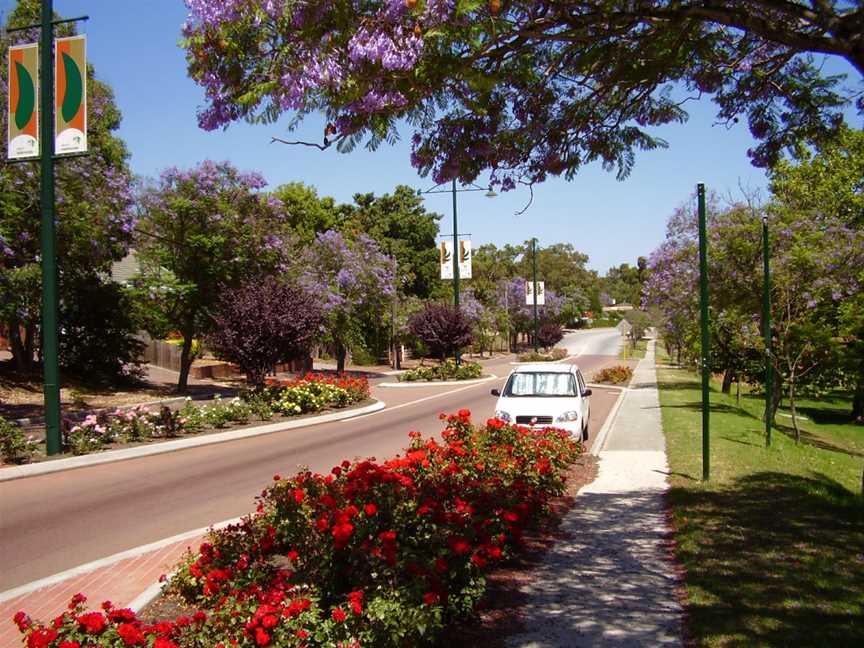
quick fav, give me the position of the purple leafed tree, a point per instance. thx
(444, 329)
(262, 323)
(549, 334)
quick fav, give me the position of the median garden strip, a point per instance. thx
(373, 554)
(283, 399)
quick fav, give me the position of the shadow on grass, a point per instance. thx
(684, 385)
(714, 407)
(829, 416)
(808, 438)
(773, 560)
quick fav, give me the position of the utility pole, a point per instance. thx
(534, 264)
(706, 341)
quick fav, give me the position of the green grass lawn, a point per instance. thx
(773, 545)
(628, 352)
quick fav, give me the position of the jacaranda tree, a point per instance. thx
(352, 279)
(204, 230)
(524, 89)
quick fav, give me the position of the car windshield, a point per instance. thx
(541, 384)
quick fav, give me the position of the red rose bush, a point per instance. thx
(372, 554)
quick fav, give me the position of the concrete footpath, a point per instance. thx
(612, 581)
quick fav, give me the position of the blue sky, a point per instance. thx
(133, 46)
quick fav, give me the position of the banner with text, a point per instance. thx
(22, 113)
(70, 95)
(529, 293)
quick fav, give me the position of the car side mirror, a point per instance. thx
(495, 392)
(587, 392)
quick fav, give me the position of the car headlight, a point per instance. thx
(501, 414)
(568, 416)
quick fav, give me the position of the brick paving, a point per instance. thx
(120, 582)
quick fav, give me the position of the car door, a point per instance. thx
(584, 401)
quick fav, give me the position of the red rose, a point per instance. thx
(69, 644)
(292, 556)
(370, 509)
(93, 622)
(269, 621)
(431, 598)
(261, 637)
(338, 615)
(162, 642)
(22, 620)
(41, 638)
(299, 495)
(464, 413)
(130, 635)
(77, 600)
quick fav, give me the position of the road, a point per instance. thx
(53, 522)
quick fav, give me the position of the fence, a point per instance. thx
(161, 354)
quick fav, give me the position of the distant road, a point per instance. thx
(591, 342)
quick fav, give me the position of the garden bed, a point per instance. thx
(286, 400)
(447, 371)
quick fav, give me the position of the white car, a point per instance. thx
(546, 395)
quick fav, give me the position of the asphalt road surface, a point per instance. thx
(53, 522)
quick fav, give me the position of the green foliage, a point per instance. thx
(617, 375)
(15, 446)
(447, 370)
(99, 329)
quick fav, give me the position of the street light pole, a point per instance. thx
(455, 260)
(50, 367)
(534, 264)
(706, 341)
(766, 322)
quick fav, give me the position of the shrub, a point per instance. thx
(616, 375)
(553, 356)
(99, 330)
(373, 554)
(443, 329)
(15, 446)
(447, 370)
(549, 334)
(262, 323)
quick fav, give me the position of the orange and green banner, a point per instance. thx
(23, 109)
(70, 95)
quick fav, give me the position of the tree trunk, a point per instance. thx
(776, 397)
(29, 339)
(185, 361)
(19, 355)
(792, 409)
(728, 377)
(738, 391)
(858, 398)
(341, 354)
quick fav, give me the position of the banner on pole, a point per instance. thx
(445, 256)
(529, 293)
(70, 95)
(465, 259)
(23, 110)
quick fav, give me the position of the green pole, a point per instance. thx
(51, 371)
(455, 258)
(706, 349)
(766, 321)
(534, 264)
